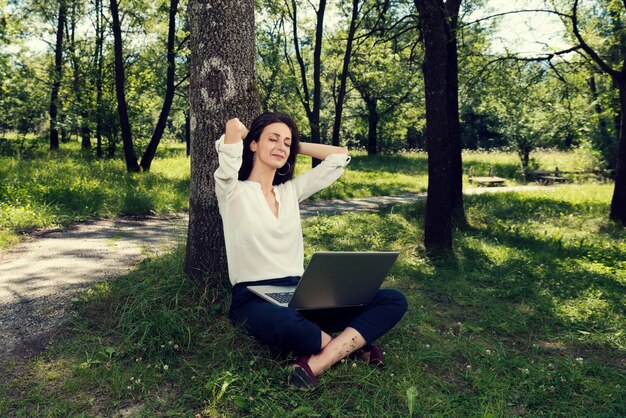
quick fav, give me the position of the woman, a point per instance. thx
(259, 203)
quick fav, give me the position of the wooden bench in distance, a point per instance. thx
(488, 181)
(550, 177)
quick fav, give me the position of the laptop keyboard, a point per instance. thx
(282, 297)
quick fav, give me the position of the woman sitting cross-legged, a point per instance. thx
(259, 203)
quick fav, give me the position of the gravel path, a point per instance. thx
(39, 276)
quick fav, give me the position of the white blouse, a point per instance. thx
(259, 245)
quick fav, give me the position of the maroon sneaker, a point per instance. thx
(302, 376)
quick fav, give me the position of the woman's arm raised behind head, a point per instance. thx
(320, 151)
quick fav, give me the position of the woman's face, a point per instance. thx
(273, 147)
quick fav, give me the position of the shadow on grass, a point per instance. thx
(518, 284)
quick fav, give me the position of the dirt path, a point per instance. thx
(39, 276)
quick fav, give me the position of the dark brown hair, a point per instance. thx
(254, 134)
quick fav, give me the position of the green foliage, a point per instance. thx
(525, 318)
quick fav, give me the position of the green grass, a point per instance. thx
(42, 189)
(52, 189)
(525, 318)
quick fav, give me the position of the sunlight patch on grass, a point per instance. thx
(589, 305)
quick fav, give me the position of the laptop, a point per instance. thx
(333, 280)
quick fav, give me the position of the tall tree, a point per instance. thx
(122, 107)
(57, 76)
(435, 29)
(344, 73)
(451, 23)
(222, 86)
(616, 52)
(99, 64)
(79, 81)
(313, 112)
(150, 151)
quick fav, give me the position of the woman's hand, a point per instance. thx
(235, 131)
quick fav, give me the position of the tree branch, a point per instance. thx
(182, 80)
(515, 12)
(593, 54)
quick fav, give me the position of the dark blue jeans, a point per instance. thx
(301, 331)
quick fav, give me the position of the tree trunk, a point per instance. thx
(56, 78)
(222, 87)
(187, 135)
(122, 107)
(438, 229)
(313, 114)
(372, 123)
(99, 64)
(602, 139)
(77, 83)
(317, 83)
(344, 74)
(454, 124)
(618, 203)
(148, 155)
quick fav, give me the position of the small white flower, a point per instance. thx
(132, 378)
(343, 360)
(488, 352)
(353, 364)
(391, 374)
(427, 345)
(138, 381)
(128, 387)
(166, 367)
(525, 371)
(175, 346)
(579, 359)
(468, 367)
(170, 342)
(162, 345)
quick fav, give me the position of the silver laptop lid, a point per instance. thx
(342, 278)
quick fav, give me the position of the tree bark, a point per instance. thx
(452, 92)
(56, 78)
(372, 125)
(150, 151)
(222, 87)
(438, 228)
(122, 107)
(344, 73)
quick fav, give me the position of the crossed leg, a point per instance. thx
(335, 349)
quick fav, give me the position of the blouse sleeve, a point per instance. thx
(227, 174)
(320, 177)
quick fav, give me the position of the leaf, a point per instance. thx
(411, 395)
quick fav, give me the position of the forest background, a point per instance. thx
(508, 100)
